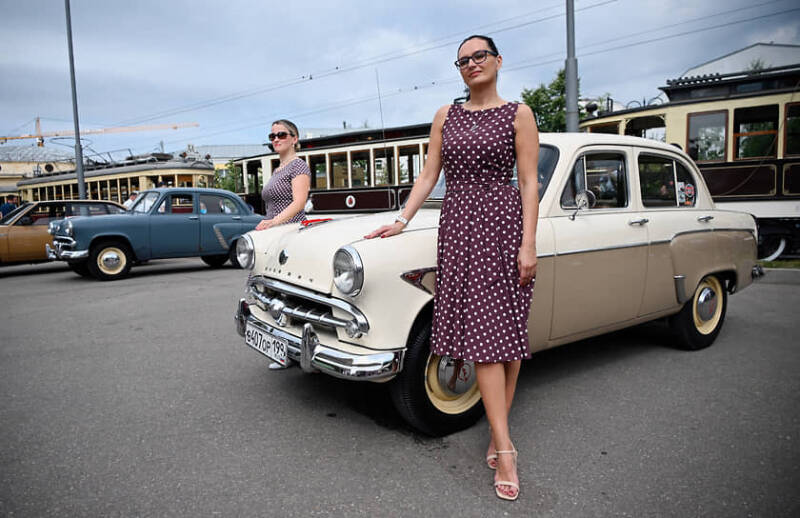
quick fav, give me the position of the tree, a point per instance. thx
(549, 104)
(228, 178)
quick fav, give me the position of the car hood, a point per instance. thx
(308, 252)
(106, 220)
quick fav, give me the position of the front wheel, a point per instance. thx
(437, 395)
(110, 260)
(81, 269)
(700, 321)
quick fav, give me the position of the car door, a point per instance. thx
(28, 235)
(669, 191)
(220, 220)
(601, 251)
(175, 226)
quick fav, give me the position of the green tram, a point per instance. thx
(743, 131)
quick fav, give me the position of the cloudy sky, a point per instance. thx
(234, 66)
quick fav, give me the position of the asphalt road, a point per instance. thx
(138, 398)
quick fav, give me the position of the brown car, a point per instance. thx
(23, 232)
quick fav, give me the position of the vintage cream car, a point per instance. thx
(627, 233)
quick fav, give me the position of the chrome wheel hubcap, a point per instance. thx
(456, 377)
(706, 304)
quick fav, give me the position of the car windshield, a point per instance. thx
(548, 156)
(13, 214)
(144, 202)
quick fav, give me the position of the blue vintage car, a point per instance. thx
(171, 222)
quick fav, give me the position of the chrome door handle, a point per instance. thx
(237, 218)
(638, 221)
(194, 217)
(705, 219)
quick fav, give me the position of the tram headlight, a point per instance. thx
(246, 252)
(348, 271)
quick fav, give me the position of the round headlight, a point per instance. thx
(246, 252)
(68, 227)
(348, 271)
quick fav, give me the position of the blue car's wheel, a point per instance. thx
(110, 260)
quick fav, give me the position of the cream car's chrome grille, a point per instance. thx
(285, 301)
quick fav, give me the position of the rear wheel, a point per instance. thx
(700, 321)
(435, 394)
(215, 261)
(232, 255)
(771, 247)
(110, 260)
(81, 269)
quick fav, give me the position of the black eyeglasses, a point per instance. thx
(281, 135)
(477, 57)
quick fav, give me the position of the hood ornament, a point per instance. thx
(283, 257)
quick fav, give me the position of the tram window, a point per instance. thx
(793, 129)
(134, 183)
(319, 171)
(755, 131)
(339, 168)
(651, 127)
(384, 166)
(359, 161)
(409, 163)
(611, 127)
(741, 181)
(601, 173)
(707, 136)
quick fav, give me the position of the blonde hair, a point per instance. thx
(292, 129)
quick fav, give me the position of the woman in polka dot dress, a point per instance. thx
(486, 248)
(286, 191)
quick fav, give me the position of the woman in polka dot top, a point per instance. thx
(286, 192)
(486, 257)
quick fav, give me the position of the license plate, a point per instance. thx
(270, 346)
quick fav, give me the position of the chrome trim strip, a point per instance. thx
(542, 256)
(661, 242)
(380, 366)
(289, 289)
(586, 250)
(749, 230)
(680, 288)
(698, 231)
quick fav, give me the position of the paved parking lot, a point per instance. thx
(138, 398)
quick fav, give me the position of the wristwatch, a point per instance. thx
(401, 219)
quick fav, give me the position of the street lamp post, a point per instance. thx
(78, 149)
(571, 71)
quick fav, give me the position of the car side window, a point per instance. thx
(43, 213)
(602, 173)
(665, 182)
(213, 204)
(177, 204)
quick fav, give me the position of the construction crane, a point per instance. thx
(39, 136)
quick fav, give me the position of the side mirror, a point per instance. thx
(583, 200)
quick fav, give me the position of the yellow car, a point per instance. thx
(23, 232)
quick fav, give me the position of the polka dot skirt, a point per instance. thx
(480, 311)
(277, 194)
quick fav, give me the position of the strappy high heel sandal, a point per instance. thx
(491, 459)
(498, 483)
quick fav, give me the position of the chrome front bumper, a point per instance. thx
(63, 251)
(313, 356)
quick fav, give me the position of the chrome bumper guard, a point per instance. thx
(62, 251)
(313, 356)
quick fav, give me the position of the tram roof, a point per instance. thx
(105, 171)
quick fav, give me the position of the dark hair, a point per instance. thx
(489, 41)
(292, 129)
